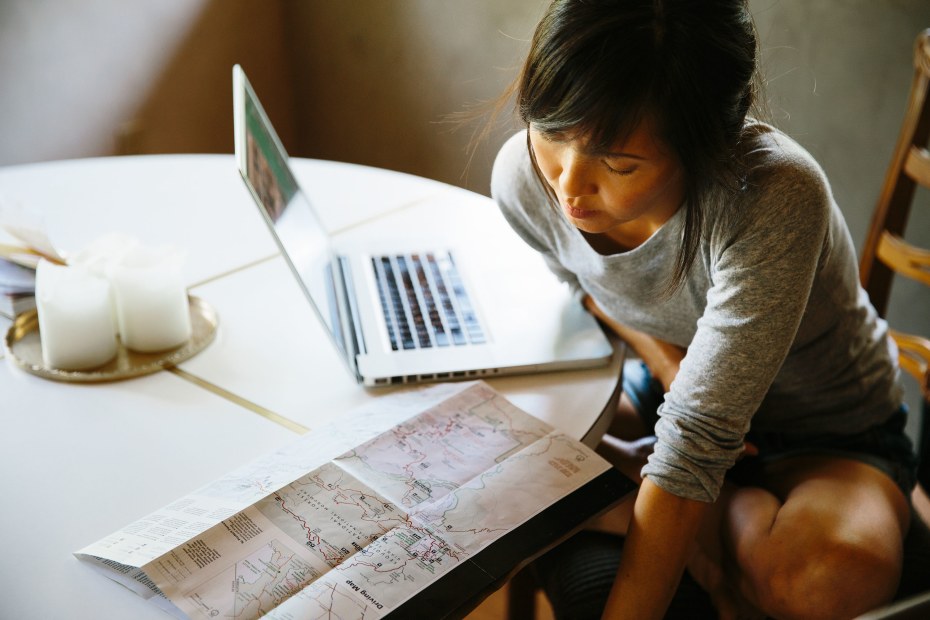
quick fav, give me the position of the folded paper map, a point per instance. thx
(354, 520)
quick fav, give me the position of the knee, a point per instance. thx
(840, 580)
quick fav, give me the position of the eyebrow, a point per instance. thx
(618, 154)
(558, 136)
(606, 152)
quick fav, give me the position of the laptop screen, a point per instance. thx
(300, 235)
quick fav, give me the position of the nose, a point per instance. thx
(575, 178)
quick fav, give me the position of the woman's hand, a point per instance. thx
(627, 456)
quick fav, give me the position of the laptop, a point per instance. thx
(398, 309)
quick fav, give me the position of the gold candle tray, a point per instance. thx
(23, 345)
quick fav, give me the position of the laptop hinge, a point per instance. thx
(348, 309)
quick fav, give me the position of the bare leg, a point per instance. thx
(627, 424)
(822, 539)
(707, 563)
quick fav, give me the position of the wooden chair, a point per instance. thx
(886, 253)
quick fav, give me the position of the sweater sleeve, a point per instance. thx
(521, 198)
(762, 264)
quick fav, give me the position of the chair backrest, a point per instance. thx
(885, 252)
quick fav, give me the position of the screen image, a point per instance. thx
(267, 166)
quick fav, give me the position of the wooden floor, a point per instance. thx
(495, 607)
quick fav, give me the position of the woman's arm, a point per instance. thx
(663, 526)
(662, 358)
(659, 542)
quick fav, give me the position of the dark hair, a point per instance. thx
(597, 67)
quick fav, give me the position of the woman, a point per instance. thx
(711, 243)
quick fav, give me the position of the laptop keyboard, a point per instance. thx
(425, 303)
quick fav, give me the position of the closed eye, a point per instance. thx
(621, 171)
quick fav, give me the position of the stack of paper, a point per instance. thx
(17, 288)
(21, 247)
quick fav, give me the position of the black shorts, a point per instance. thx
(885, 446)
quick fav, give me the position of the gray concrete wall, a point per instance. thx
(839, 73)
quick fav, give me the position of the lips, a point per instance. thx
(576, 213)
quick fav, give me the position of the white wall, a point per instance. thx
(69, 68)
(82, 78)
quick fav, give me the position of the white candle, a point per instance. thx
(76, 320)
(100, 254)
(151, 300)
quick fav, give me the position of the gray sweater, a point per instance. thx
(780, 336)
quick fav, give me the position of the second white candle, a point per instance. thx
(151, 300)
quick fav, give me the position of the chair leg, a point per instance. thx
(921, 502)
(915, 578)
(521, 596)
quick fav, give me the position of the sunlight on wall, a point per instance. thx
(375, 80)
(73, 71)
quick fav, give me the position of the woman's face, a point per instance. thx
(626, 193)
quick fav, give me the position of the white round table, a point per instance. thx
(82, 461)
